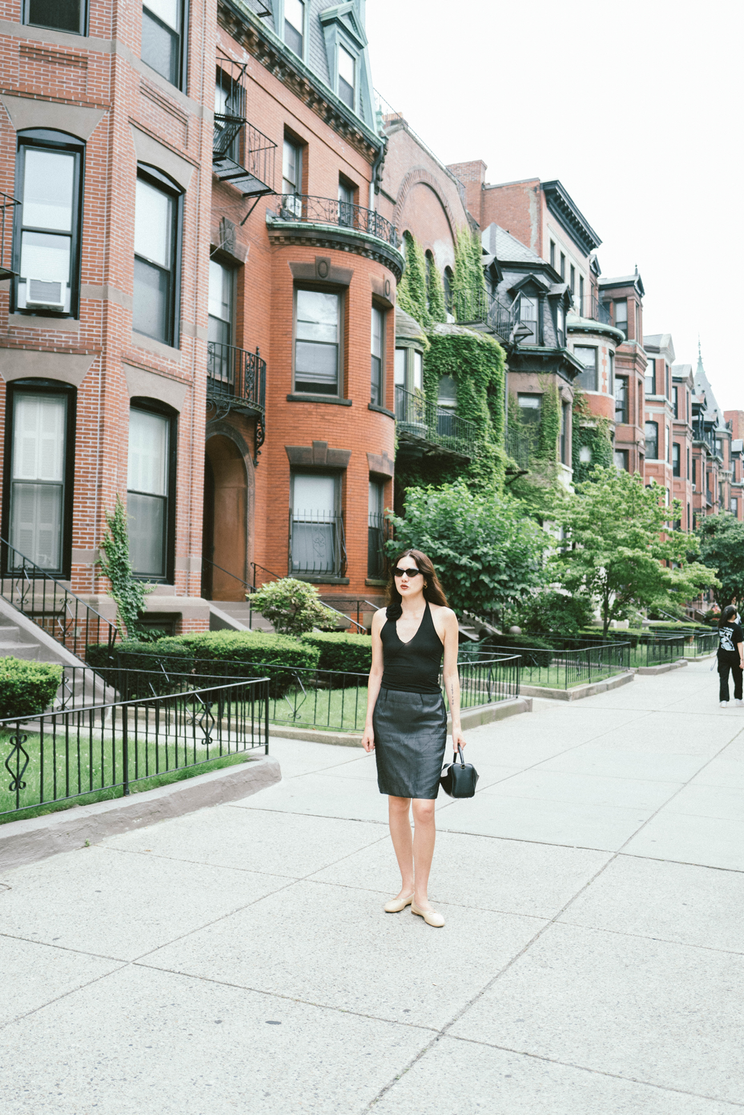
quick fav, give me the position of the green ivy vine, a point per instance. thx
(592, 432)
(412, 288)
(468, 283)
(435, 291)
(128, 593)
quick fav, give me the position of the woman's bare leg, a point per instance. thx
(400, 831)
(424, 835)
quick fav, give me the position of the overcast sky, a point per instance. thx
(635, 106)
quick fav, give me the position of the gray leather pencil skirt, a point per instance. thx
(410, 737)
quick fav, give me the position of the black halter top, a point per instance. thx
(412, 667)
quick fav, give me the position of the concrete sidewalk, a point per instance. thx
(238, 959)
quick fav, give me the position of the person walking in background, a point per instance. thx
(730, 654)
(406, 723)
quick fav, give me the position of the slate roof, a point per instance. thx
(702, 386)
(681, 371)
(507, 249)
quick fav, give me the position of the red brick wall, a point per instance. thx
(516, 207)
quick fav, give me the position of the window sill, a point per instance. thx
(320, 578)
(377, 581)
(298, 397)
(141, 340)
(43, 321)
(380, 410)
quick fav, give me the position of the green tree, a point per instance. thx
(128, 593)
(722, 547)
(618, 547)
(487, 554)
(293, 606)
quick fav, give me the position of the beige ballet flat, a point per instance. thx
(431, 917)
(395, 905)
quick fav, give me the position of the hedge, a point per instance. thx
(340, 651)
(517, 643)
(27, 688)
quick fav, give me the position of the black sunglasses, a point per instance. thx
(398, 572)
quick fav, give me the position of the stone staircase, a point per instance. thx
(11, 643)
(235, 615)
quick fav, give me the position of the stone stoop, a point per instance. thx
(235, 615)
(20, 637)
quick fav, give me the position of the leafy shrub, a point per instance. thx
(342, 652)
(293, 606)
(158, 661)
(27, 688)
(556, 612)
(248, 654)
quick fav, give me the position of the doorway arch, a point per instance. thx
(225, 526)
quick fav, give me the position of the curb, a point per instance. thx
(471, 718)
(663, 669)
(579, 691)
(23, 842)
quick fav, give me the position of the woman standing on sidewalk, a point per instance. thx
(730, 654)
(406, 718)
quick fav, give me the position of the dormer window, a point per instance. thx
(294, 25)
(561, 326)
(346, 76)
(527, 312)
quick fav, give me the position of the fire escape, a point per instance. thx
(242, 156)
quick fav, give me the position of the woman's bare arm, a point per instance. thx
(451, 676)
(375, 679)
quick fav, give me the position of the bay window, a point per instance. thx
(162, 38)
(49, 172)
(316, 541)
(587, 356)
(317, 341)
(39, 477)
(156, 256)
(378, 350)
(150, 476)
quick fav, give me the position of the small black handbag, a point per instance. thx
(459, 779)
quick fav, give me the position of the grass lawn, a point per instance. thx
(75, 775)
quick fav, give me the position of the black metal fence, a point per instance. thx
(564, 666)
(236, 375)
(45, 600)
(8, 206)
(106, 749)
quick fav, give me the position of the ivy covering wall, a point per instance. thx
(468, 283)
(435, 291)
(592, 433)
(412, 292)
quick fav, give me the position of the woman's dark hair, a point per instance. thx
(727, 615)
(433, 591)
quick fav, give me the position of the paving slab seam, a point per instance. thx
(65, 994)
(594, 1072)
(683, 862)
(644, 936)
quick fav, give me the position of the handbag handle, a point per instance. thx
(462, 757)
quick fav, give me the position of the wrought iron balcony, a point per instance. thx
(591, 308)
(236, 380)
(430, 428)
(342, 214)
(7, 216)
(242, 156)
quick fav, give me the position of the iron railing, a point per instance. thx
(242, 154)
(592, 308)
(237, 377)
(268, 577)
(421, 420)
(343, 214)
(40, 597)
(317, 545)
(8, 206)
(562, 667)
(106, 749)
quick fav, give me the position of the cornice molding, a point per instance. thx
(263, 45)
(337, 238)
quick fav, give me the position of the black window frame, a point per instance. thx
(32, 386)
(47, 139)
(376, 534)
(161, 181)
(340, 292)
(623, 330)
(622, 397)
(183, 37)
(380, 401)
(651, 440)
(676, 459)
(537, 332)
(675, 401)
(448, 278)
(625, 455)
(552, 254)
(82, 23)
(565, 439)
(320, 576)
(154, 406)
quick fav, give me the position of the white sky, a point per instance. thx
(635, 106)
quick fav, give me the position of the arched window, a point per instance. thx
(447, 280)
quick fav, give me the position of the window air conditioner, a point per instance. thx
(42, 292)
(694, 487)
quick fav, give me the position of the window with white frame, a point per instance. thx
(317, 341)
(621, 316)
(294, 25)
(57, 15)
(587, 355)
(622, 409)
(315, 545)
(221, 283)
(345, 203)
(49, 174)
(148, 492)
(38, 477)
(652, 441)
(162, 38)
(346, 76)
(292, 177)
(156, 252)
(649, 383)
